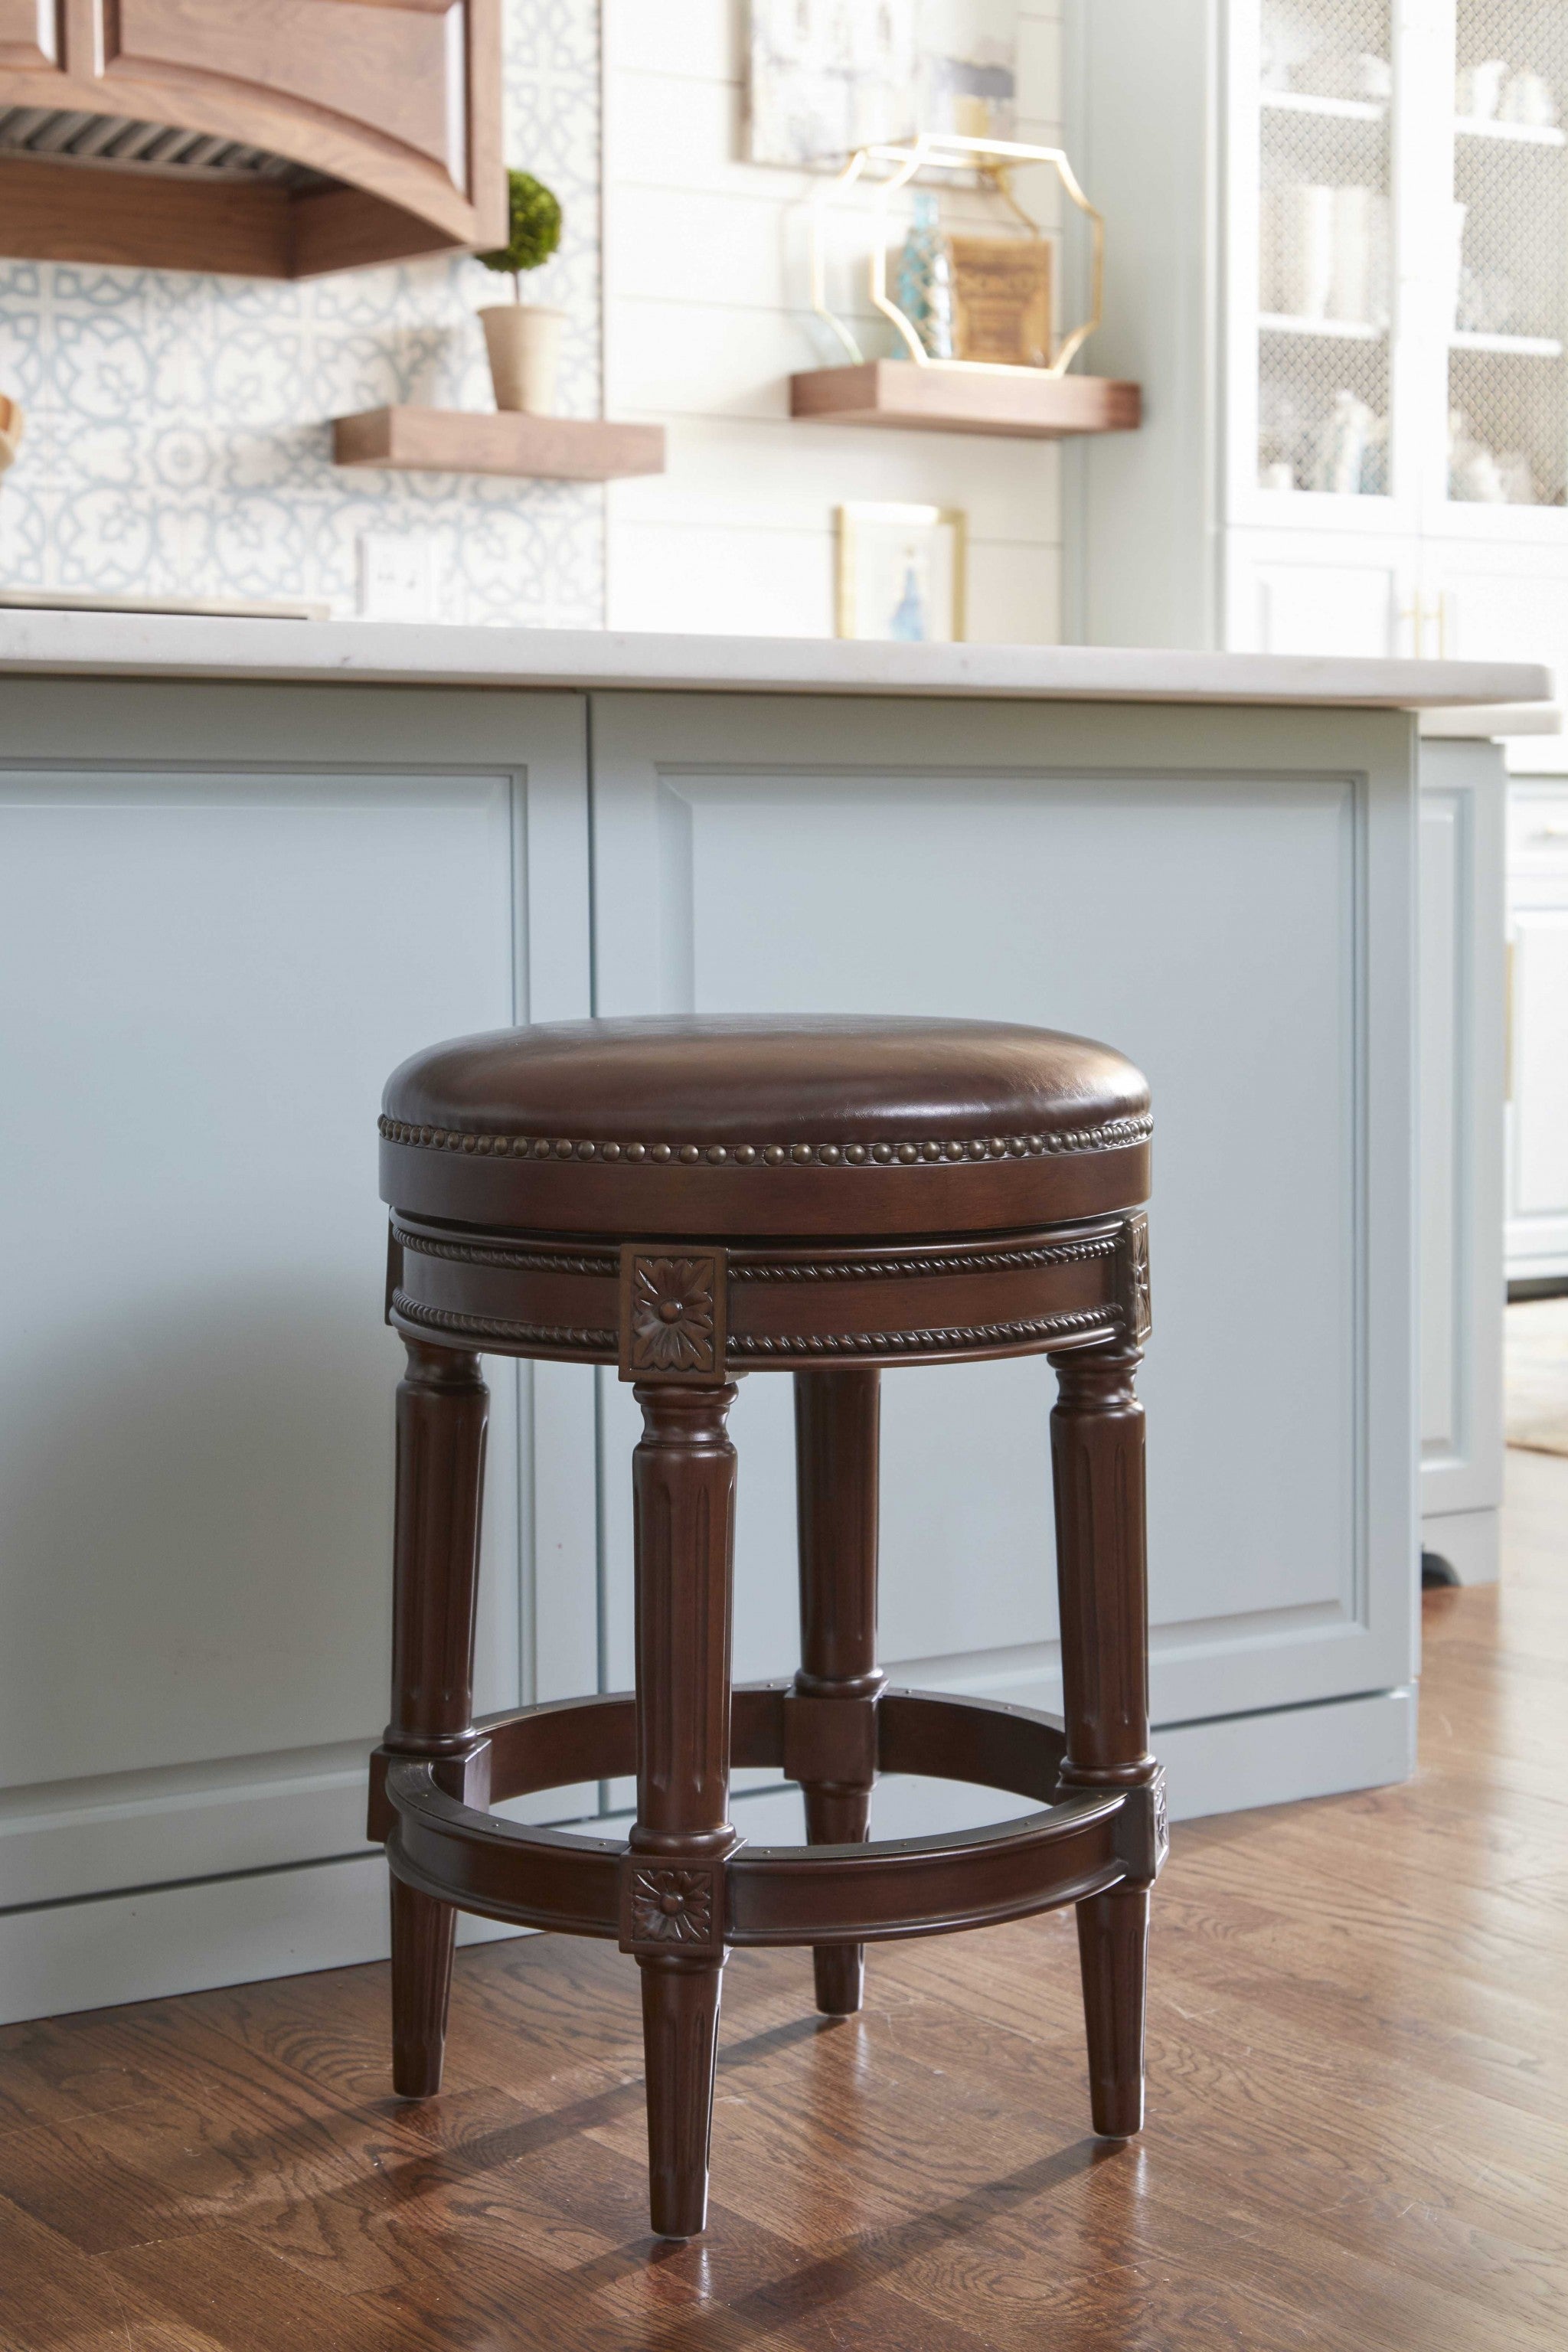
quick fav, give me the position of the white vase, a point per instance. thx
(523, 339)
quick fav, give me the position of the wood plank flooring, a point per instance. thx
(1358, 2138)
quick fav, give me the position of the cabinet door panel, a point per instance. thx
(1539, 1187)
(209, 963)
(398, 68)
(960, 862)
(1324, 608)
(1463, 796)
(204, 996)
(29, 33)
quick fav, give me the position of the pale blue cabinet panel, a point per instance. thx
(1198, 888)
(225, 914)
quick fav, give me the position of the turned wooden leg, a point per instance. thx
(442, 1408)
(835, 1433)
(1097, 1452)
(684, 1477)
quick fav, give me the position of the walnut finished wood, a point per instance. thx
(395, 104)
(464, 441)
(1021, 403)
(1356, 2034)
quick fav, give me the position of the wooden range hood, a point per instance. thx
(264, 137)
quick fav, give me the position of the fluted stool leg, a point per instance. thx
(443, 1406)
(836, 1453)
(684, 1478)
(1097, 1449)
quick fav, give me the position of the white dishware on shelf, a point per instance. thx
(1342, 444)
(1479, 90)
(1358, 273)
(1528, 100)
(1454, 263)
(1305, 249)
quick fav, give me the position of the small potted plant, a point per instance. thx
(524, 339)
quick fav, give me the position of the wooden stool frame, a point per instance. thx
(682, 1319)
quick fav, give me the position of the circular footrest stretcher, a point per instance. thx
(440, 1839)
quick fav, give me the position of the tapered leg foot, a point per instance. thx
(1113, 1953)
(423, 1934)
(680, 2044)
(1097, 1444)
(442, 1409)
(684, 1491)
(837, 1818)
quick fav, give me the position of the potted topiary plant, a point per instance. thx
(524, 339)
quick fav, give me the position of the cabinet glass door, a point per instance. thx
(1507, 394)
(1324, 233)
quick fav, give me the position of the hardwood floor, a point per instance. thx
(1358, 2134)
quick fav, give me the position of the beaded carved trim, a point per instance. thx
(486, 1326)
(930, 1342)
(524, 1260)
(1112, 1135)
(876, 1269)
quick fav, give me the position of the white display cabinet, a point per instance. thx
(1337, 258)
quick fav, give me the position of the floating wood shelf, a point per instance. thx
(471, 441)
(1031, 406)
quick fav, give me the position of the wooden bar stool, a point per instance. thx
(693, 1200)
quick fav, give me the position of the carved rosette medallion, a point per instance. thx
(1162, 1821)
(668, 1908)
(1134, 1269)
(672, 1315)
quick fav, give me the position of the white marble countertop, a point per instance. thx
(118, 644)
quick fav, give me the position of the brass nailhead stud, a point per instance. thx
(857, 1153)
(636, 1151)
(688, 1152)
(660, 1151)
(716, 1152)
(585, 1151)
(801, 1152)
(773, 1153)
(831, 1154)
(610, 1151)
(745, 1153)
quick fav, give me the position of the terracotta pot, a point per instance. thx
(11, 421)
(523, 339)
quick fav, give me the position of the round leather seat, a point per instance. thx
(764, 1125)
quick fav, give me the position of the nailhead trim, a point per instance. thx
(1112, 1135)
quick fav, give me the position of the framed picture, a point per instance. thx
(902, 573)
(829, 76)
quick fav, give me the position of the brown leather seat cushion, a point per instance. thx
(765, 1125)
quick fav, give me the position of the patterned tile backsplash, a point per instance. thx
(178, 435)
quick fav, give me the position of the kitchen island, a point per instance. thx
(251, 865)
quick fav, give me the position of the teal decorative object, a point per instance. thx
(925, 279)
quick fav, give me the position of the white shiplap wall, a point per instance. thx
(706, 316)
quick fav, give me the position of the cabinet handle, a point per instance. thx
(1550, 833)
(1418, 613)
